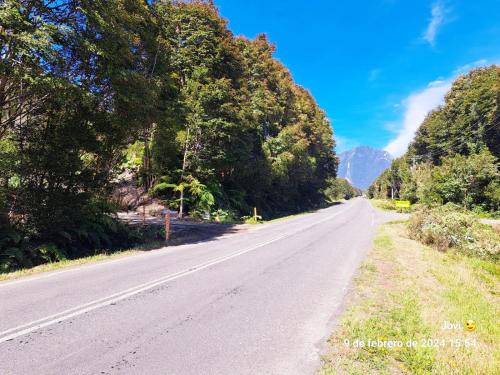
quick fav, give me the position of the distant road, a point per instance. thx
(259, 302)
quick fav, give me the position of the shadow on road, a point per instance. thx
(181, 232)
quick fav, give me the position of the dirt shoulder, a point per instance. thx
(408, 309)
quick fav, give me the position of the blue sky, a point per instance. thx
(376, 67)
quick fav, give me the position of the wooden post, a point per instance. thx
(167, 225)
(255, 214)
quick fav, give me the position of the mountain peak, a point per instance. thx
(363, 164)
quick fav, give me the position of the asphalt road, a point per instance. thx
(259, 302)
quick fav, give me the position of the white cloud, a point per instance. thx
(344, 144)
(418, 104)
(436, 83)
(392, 127)
(438, 13)
(465, 68)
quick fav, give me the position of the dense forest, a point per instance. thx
(454, 156)
(203, 120)
(340, 188)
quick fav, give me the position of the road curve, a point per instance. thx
(259, 302)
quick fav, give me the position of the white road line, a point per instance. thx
(157, 252)
(24, 329)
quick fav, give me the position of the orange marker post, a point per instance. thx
(167, 225)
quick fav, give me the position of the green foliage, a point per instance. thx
(203, 120)
(454, 157)
(252, 219)
(134, 156)
(492, 194)
(340, 188)
(224, 216)
(450, 227)
(464, 180)
(468, 121)
(240, 121)
(93, 236)
(387, 205)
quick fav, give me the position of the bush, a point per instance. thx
(386, 204)
(94, 235)
(451, 227)
(390, 205)
(467, 180)
(339, 188)
(224, 216)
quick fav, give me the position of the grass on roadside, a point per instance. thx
(388, 205)
(287, 217)
(53, 266)
(291, 216)
(403, 293)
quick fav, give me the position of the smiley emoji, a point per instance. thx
(470, 325)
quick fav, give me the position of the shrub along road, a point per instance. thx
(406, 291)
(261, 301)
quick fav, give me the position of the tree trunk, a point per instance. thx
(145, 161)
(184, 166)
(181, 205)
(146, 164)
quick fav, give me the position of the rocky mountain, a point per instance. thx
(362, 165)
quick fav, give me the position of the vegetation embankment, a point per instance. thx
(455, 154)
(411, 304)
(52, 266)
(452, 227)
(207, 123)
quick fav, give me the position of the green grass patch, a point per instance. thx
(383, 240)
(404, 292)
(284, 218)
(53, 266)
(62, 264)
(389, 205)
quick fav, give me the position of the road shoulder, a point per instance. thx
(406, 292)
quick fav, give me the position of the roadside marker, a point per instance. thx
(167, 213)
(167, 226)
(403, 204)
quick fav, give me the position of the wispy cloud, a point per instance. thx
(416, 107)
(418, 104)
(438, 18)
(373, 75)
(344, 143)
(465, 68)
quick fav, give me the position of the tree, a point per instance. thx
(340, 188)
(463, 180)
(454, 156)
(206, 121)
(467, 122)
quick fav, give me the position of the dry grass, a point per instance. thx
(405, 291)
(47, 267)
(63, 264)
